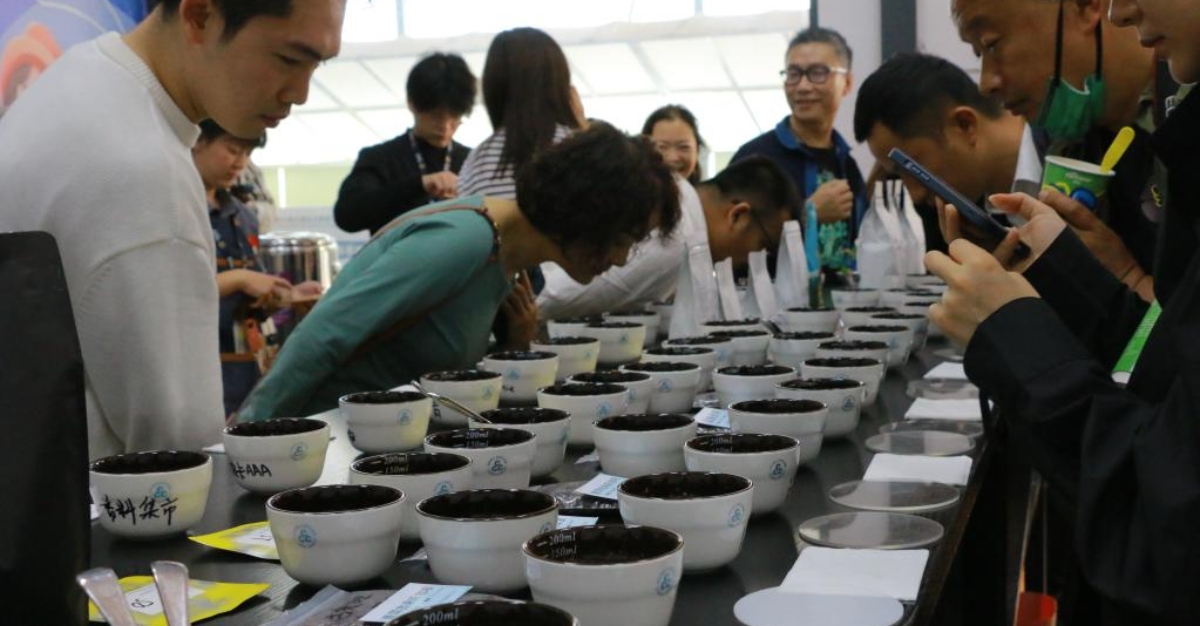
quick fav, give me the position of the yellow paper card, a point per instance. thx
(205, 599)
(252, 539)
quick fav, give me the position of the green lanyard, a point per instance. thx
(1133, 351)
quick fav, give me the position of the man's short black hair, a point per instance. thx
(910, 94)
(760, 182)
(210, 130)
(442, 81)
(816, 34)
(237, 13)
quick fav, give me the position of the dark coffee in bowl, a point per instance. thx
(805, 309)
(698, 341)
(821, 384)
(853, 345)
(383, 397)
(741, 443)
(461, 376)
(616, 377)
(604, 545)
(871, 328)
(568, 341)
(584, 389)
(684, 485)
(662, 366)
(899, 316)
(750, 321)
(333, 498)
(645, 422)
(803, 336)
(871, 309)
(487, 613)
(149, 462)
(614, 325)
(476, 438)
(521, 355)
(739, 333)
(485, 504)
(631, 314)
(755, 370)
(778, 406)
(922, 303)
(275, 427)
(525, 415)
(842, 362)
(679, 351)
(409, 463)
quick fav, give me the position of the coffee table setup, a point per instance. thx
(519, 486)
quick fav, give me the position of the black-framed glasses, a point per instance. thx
(817, 74)
(770, 240)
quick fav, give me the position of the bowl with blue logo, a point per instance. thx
(551, 427)
(501, 458)
(386, 421)
(276, 455)
(586, 403)
(769, 461)
(418, 475)
(150, 495)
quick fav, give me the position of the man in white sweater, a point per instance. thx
(98, 153)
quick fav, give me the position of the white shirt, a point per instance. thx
(97, 154)
(651, 273)
(1028, 175)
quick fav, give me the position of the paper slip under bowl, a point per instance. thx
(951, 470)
(947, 371)
(835, 571)
(964, 410)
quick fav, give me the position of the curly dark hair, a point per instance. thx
(236, 12)
(442, 81)
(597, 188)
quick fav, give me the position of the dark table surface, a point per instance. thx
(770, 549)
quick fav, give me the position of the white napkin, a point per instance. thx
(964, 410)
(832, 571)
(951, 470)
(947, 371)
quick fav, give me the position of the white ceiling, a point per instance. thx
(725, 69)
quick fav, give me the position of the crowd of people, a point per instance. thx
(556, 215)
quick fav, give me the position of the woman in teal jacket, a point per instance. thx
(421, 296)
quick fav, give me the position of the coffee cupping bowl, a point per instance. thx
(478, 390)
(723, 346)
(620, 341)
(852, 349)
(805, 319)
(487, 613)
(703, 356)
(524, 372)
(673, 384)
(501, 458)
(552, 428)
(386, 421)
(585, 403)
(844, 398)
(650, 319)
(859, 315)
(803, 420)
(752, 382)
(790, 349)
(417, 475)
(899, 339)
(632, 445)
(769, 461)
(147, 495)
(749, 344)
(846, 297)
(576, 355)
(277, 455)
(639, 384)
(866, 371)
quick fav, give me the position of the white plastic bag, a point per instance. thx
(696, 298)
(791, 269)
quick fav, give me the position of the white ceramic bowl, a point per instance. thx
(477, 390)
(650, 319)
(853, 349)
(576, 355)
(673, 384)
(147, 495)
(524, 373)
(386, 421)
(749, 344)
(898, 337)
(750, 323)
(568, 327)
(633, 445)
(769, 461)
(919, 281)
(640, 386)
(735, 384)
(609, 575)
(723, 346)
(894, 298)
(501, 458)
(336, 534)
(620, 341)
(487, 613)
(845, 298)
(843, 397)
(418, 475)
(705, 357)
(807, 320)
(276, 455)
(585, 403)
(803, 420)
(859, 315)
(475, 537)
(918, 323)
(551, 426)
(709, 511)
(792, 348)
(867, 371)
(921, 307)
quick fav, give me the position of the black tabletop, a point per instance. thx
(770, 549)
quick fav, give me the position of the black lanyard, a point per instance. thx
(412, 141)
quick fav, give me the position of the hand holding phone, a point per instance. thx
(980, 226)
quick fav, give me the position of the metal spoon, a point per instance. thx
(171, 578)
(101, 585)
(454, 404)
(772, 326)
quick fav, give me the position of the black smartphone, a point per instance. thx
(979, 224)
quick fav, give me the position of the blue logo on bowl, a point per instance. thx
(405, 417)
(778, 469)
(604, 410)
(665, 386)
(547, 527)
(299, 451)
(624, 339)
(306, 536)
(737, 514)
(443, 488)
(513, 374)
(488, 393)
(160, 491)
(497, 465)
(848, 403)
(666, 582)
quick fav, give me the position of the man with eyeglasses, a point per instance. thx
(816, 78)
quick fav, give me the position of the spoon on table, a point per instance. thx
(101, 585)
(772, 326)
(454, 404)
(171, 579)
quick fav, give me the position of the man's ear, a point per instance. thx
(964, 122)
(199, 18)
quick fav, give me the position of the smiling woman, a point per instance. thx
(422, 295)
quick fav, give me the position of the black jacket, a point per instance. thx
(386, 182)
(1130, 458)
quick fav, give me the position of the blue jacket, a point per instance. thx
(782, 147)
